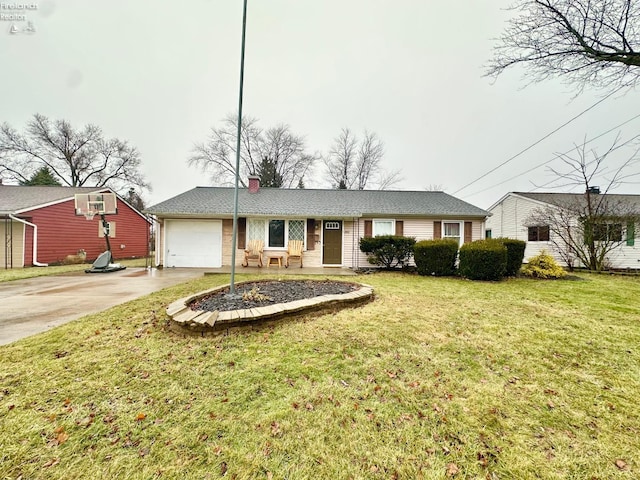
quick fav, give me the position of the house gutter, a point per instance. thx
(35, 241)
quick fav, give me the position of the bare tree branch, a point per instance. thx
(285, 151)
(585, 229)
(582, 42)
(356, 164)
(74, 157)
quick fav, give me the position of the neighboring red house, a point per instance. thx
(39, 225)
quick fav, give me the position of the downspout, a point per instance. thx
(35, 262)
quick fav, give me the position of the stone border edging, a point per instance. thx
(201, 322)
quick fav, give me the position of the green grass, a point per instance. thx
(516, 379)
(30, 272)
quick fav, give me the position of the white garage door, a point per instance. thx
(193, 243)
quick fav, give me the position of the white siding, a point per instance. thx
(508, 220)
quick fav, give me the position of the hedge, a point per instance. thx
(389, 251)
(436, 257)
(483, 260)
(515, 255)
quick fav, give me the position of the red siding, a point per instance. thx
(62, 233)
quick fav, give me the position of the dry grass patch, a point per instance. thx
(436, 378)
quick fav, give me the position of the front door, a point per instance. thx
(332, 242)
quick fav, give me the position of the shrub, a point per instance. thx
(389, 251)
(483, 260)
(436, 257)
(543, 265)
(515, 255)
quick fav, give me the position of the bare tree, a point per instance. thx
(356, 164)
(286, 152)
(74, 157)
(583, 42)
(586, 228)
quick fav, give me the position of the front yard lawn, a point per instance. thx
(437, 378)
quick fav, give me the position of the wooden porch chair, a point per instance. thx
(253, 251)
(294, 251)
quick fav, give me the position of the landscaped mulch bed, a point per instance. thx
(260, 294)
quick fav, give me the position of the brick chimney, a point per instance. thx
(254, 184)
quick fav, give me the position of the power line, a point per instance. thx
(554, 158)
(538, 141)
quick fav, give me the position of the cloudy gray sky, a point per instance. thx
(160, 74)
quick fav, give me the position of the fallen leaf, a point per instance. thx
(11, 407)
(621, 464)
(217, 450)
(452, 469)
(62, 437)
(295, 405)
(275, 429)
(140, 417)
(309, 406)
(223, 468)
(51, 463)
(143, 452)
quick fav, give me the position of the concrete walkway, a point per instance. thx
(38, 304)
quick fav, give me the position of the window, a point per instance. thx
(451, 230)
(296, 230)
(538, 234)
(631, 234)
(255, 229)
(275, 232)
(383, 227)
(607, 232)
(487, 233)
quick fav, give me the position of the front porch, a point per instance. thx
(275, 270)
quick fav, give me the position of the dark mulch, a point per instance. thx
(249, 295)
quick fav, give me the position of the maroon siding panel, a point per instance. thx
(62, 233)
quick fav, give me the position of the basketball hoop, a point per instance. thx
(89, 214)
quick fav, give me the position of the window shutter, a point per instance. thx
(311, 234)
(368, 228)
(468, 229)
(631, 234)
(437, 230)
(242, 233)
(399, 228)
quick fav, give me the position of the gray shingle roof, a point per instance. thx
(18, 198)
(562, 199)
(218, 201)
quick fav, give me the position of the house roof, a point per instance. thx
(219, 201)
(562, 199)
(17, 199)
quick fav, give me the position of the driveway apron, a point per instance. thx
(38, 304)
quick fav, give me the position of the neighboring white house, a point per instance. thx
(195, 227)
(510, 218)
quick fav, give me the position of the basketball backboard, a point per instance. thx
(90, 204)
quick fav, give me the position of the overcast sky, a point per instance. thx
(160, 74)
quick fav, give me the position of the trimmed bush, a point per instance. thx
(515, 255)
(436, 257)
(543, 265)
(389, 251)
(483, 260)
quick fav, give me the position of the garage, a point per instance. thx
(193, 243)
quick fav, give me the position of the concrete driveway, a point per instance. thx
(37, 304)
